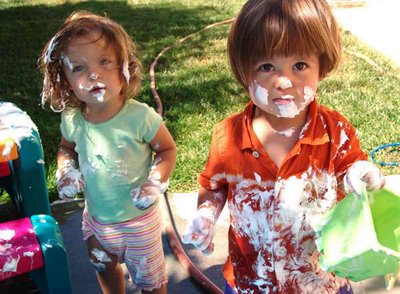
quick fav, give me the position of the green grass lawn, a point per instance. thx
(193, 79)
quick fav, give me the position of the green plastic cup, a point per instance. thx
(360, 237)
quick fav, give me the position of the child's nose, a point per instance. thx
(94, 76)
(94, 73)
(283, 82)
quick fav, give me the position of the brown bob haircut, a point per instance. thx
(268, 28)
(56, 89)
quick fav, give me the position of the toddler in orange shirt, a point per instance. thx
(285, 160)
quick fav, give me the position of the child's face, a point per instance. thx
(92, 70)
(284, 86)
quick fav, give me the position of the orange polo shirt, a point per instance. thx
(272, 210)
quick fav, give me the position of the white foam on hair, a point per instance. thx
(63, 105)
(49, 51)
(125, 71)
(67, 62)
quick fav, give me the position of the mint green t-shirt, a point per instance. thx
(114, 157)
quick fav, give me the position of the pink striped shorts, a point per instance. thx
(136, 242)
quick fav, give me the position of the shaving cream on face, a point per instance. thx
(308, 94)
(281, 108)
(67, 62)
(260, 95)
(288, 111)
(99, 95)
(286, 84)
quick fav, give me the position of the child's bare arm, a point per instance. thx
(212, 200)
(69, 179)
(363, 175)
(66, 152)
(201, 229)
(157, 182)
(164, 147)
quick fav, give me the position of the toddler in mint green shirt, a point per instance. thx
(114, 149)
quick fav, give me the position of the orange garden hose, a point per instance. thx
(170, 230)
(157, 98)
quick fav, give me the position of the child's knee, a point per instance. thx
(101, 260)
(148, 275)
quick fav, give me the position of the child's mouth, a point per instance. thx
(98, 93)
(284, 100)
(96, 90)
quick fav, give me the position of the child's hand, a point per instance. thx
(200, 231)
(363, 174)
(145, 196)
(69, 180)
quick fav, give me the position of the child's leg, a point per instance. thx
(108, 269)
(144, 256)
(345, 290)
(228, 289)
(109, 272)
(161, 290)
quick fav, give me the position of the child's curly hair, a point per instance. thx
(56, 90)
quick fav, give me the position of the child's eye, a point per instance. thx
(104, 61)
(77, 68)
(300, 66)
(266, 67)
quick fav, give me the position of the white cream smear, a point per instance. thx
(102, 257)
(266, 214)
(286, 84)
(73, 175)
(125, 71)
(7, 235)
(360, 172)
(288, 132)
(63, 106)
(308, 94)
(15, 125)
(99, 94)
(49, 51)
(292, 109)
(261, 95)
(12, 263)
(288, 109)
(67, 62)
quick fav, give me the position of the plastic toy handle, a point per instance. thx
(390, 279)
(364, 194)
(8, 149)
